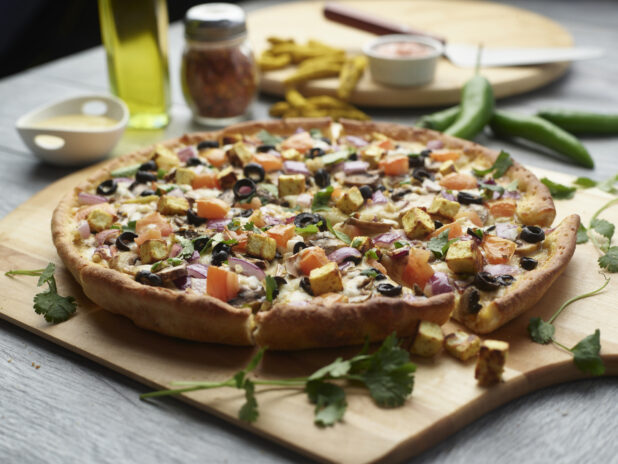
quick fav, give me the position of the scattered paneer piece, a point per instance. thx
(227, 178)
(326, 279)
(292, 184)
(165, 158)
(362, 243)
(462, 345)
(444, 207)
(351, 200)
(372, 154)
(417, 223)
(491, 361)
(171, 205)
(447, 167)
(428, 340)
(184, 176)
(99, 220)
(261, 246)
(463, 257)
(242, 152)
(292, 154)
(153, 250)
(257, 218)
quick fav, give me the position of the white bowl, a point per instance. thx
(403, 71)
(75, 145)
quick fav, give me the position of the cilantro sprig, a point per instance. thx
(321, 199)
(439, 245)
(267, 138)
(600, 233)
(586, 352)
(53, 307)
(388, 375)
(559, 191)
(499, 168)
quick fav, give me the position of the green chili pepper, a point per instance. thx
(440, 120)
(543, 132)
(582, 122)
(477, 105)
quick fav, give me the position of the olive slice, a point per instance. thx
(421, 174)
(387, 289)
(148, 166)
(245, 213)
(532, 234)
(437, 224)
(299, 246)
(353, 156)
(194, 161)
(528, 263)
(304, 219)
(254, 171)
(425, 153)
(220, 253)
(366, 191)
(194, 219)
(143, 177)
(200, 243)
(147, 193)
(473, 300)
(416, 161)
(322, 178)
(505, 280)
(265, 148)
(315, 152)
(107, 187)
(486, 281)
(466, 198)
(305, 284)
(207, 144)
(244, 188)
(353, 259)
(124, 240)
(148, 278)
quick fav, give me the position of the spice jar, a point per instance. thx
(219, 74)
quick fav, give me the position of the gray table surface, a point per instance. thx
(73, 410)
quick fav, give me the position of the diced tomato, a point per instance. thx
(312, 258)
(255, 203)
(205, 180)
(498, 250)
(153, 220)
(221, 284)
(458, 181)
(281, 233)
(212, 208)
(397, 165)
(216, 157)
(386, 144)
(454, 230)
(268, 161)
(85, 211)
(445, 155)
(417, 270)
(301, 142)
(471, 215)
(503, 208)
(148, 234)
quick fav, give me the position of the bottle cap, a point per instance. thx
(213, 22)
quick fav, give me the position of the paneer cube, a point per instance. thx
(417, 223)
(491, 361)
(292, 154)
(372, 154)
(326, 279)
(447, 168)
(462, 345)
(463, 257)
(362, 243)
(428, 340)
(99, 220)
(165, 158)
(444, 207)
(242, 152)
(261, 246)
(171, 205)
(292, 184)
(227, 178)
(257, 218)
(184, 176)
(350, 201)
(153, 250)
(313, 164)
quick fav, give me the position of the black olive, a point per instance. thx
(207, 144)
(473, 301)
(322, 178)
(244, 188)
(124, 239)
(379, 276)
(278, 254)
(421, 174)
(218, 257)
(387, 289)
(315, 152)
(381, 188)
(486, 281)
(353, 259)
(306, 285)
(224, 247)
(528, 263)
(437, 224)
(254, 171)
(148, 166)
(200, 243)
(194, 161)
(466, 198)
(147, 193)
(107, 187)
(143, 177)
(471, 233)
(353, 156)
(264, 148)
(305, 219)
(245, 213)
(366, 191)
(490, 228)
(280, 281)
(505, 280)
(326, 139)
(194, 219)
(425, 153)
(532, 234)
(299, 246)
(416, 161)
(148, 278)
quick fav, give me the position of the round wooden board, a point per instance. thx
(472, 22)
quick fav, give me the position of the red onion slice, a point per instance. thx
(448, 196)
(354, 167)
(340, 254)
(507, 231)
(296, 167)
(273, 221)
(84, 229)
(105, 235)
(175, 250)
(440, 284)
(378, 198)
(500, 269)
(185, 153)
(304, 200)
(89, 199)
(194, 257)
(387, 238)
(247, 267)
(435, 144)
(356, 141)
(218, 224)
(198, 271)
(175, 193)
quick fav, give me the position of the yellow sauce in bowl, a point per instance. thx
(77, 121)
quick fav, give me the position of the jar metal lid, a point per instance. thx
(212, 22)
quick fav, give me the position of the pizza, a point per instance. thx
(310, 233)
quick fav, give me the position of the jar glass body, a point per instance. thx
(219, 80)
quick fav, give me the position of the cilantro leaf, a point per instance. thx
(335, 369)
(586, 354)
(585, 182)
(249, 226)
(340, 235)
(372, 254)
(270, 286)
(603, 227)
(249, 411)
(47, 275)
(187, 248)
(439, 245)
(267, 138)
(609, 184)
(499, 168)
(582, 234)
(321, 199)
(558, 191)
(478, 233)
(129, 227)
(540, 331)
(53, 307)
(609, 260)
(399, 244)
(329, 399)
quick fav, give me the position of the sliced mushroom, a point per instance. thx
(369, 227)
(358, 180)
(325, 241)
(173, 273)
(249, 298)
(124, 262)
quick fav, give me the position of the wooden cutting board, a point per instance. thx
(470, 22)
(445, 396)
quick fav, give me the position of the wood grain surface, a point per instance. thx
(446, 396)
(467, 22)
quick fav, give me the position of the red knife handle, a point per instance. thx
(359, 20)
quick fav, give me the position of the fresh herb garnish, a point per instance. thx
(310, 229)
(249, 226)
(605, 229)
(559, 191)
(171, 261)
(315, 133)
(187, 247)
(340, 235)
(369, 272)
(388, 375)
(270, 287)
(371, 254)
(609, 185)
(321, 199)
(582, 234)
(267, 138)
(439, 245)
(585, 182)
(129, 227)
(234, 225)
(488, 189)
(127, 171)
(161, 173)
(53, 307)
(399, 244)
(609, 260)
(335, 157)
(499, 168)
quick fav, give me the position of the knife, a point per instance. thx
(462, 55)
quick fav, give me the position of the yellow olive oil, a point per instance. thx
(134, 33)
